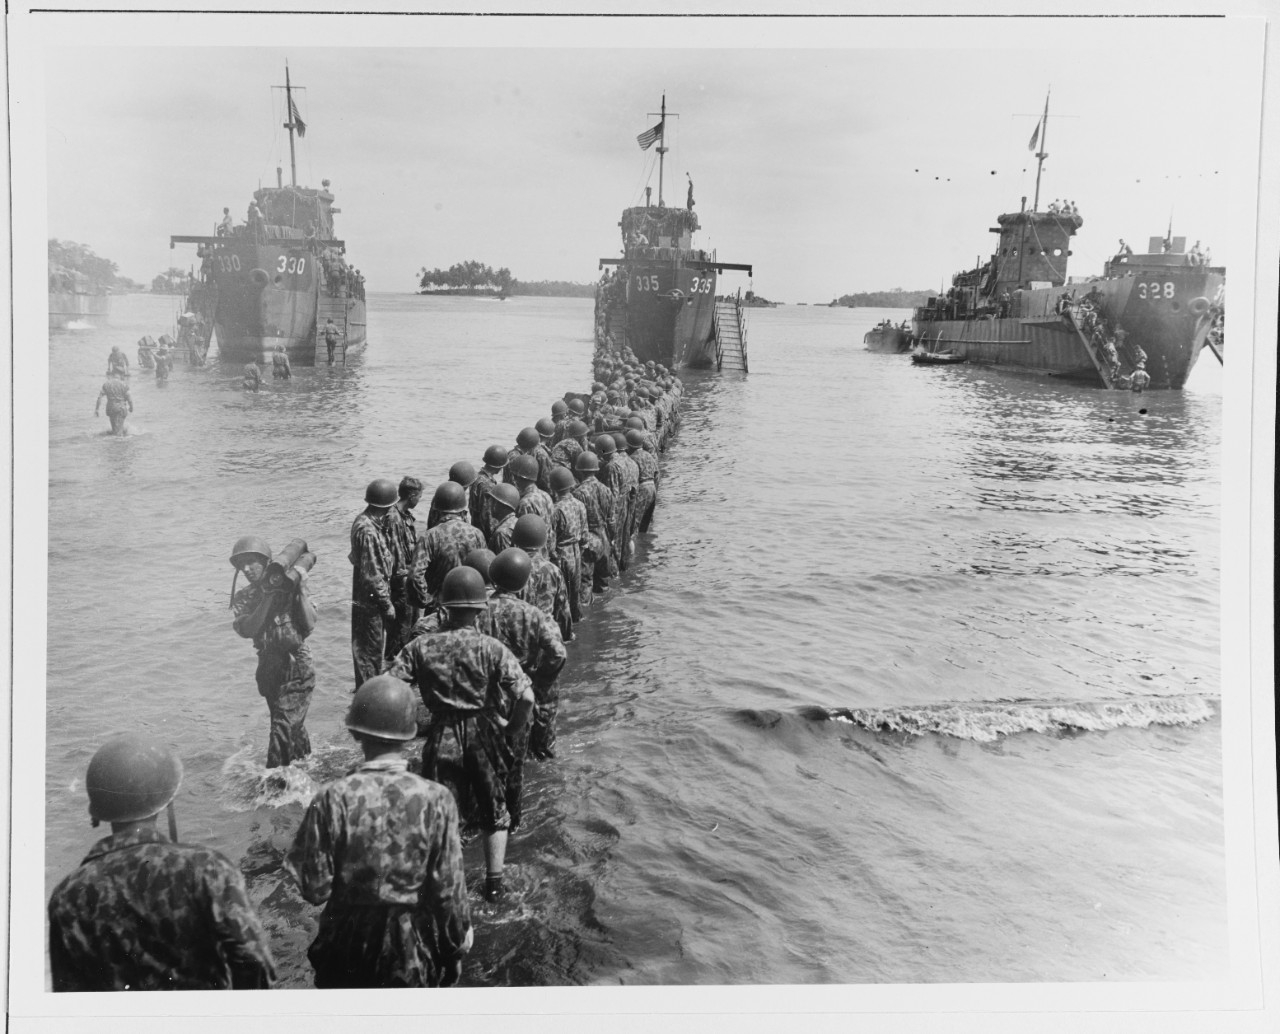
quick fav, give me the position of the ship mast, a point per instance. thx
(288, 107)
(662, 145)
(1041, 154)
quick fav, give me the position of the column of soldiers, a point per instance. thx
(472, 609)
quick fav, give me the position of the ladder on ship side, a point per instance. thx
(335, 307)
(730, 329)
(1095, 354)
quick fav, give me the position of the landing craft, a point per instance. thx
(661, 299)
(1019, 310)
(276, 280)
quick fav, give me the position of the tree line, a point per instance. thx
(100, 274)
(473, 277)
(895, 299)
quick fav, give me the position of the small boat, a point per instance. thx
(936, 358)
(888, 337)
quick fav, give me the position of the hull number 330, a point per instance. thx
(291, 263)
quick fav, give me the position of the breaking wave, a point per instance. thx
(988, 721)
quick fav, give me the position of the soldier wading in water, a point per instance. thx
(472, 684)
(142, 913)
(380, 849)
(278, 618)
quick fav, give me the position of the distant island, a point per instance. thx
(75, 267)
(755, 301)
(895, 299)
(476, 279)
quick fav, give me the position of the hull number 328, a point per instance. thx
(1155, 290)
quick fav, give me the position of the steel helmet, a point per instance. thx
(463, 473)
(530, 532)
(545, 427)
(635, 439)
(619, 440)
(480, 559)
(381, 492)
(528, 437)
(586, 461)
(561, 478)
(384, 707)
(505, 495)
(525, 467)
(496, 456)
(634, 421)
(511, 569)
(250, 545)
(464, 587)
(575, 429)
(577, 406)
(559, 407)
(131, 777)
(605, 445)
(450, 497)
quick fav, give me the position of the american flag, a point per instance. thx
(646, 139)
(296, 119)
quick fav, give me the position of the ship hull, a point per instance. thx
(1166, 313)
(269, 294)
(665, 313)
(887, 339)
(68, 309)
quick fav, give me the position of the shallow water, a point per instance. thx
(917, 679)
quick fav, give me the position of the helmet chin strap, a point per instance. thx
(173, 822)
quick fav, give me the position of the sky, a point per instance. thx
(834, 160)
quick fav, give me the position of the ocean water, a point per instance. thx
(916, 680)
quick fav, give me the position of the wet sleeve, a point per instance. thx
(310, 859)
(564, 617)
(551, 652)
(242, 942)
(445, 892)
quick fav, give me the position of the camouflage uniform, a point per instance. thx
(614, 474)
(500, 538)
(647, 493)
(469, 683)
(478, 502)
(543, 455)
(535, 499)
(535, 640)
(631, 472)
(286, 677)
(402, 533)
(546, 590)
(443, 548)
(380, 849)
(570, 523)
(567, 450)
(596, 496)
(373, 560)
(143, 914)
